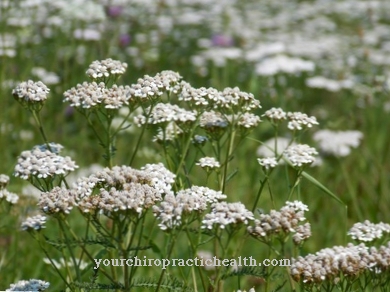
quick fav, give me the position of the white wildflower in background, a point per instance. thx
(299, 121)
(208, 162)
(275, 115)
(283, 64)
(4, 180)
(62, 263)
(207, 258)
(36, 222)
(267, 149)
(47, 77)
(328, 84)
(8, 196)
(250, 290)
(368, 231)
(106, 68)
(31, 92)
(268, 162)
(337, 143)
(32, 285)
(224, 214)
(42, 163)
(300, 155)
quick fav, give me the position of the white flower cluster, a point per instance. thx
(211, 121)
(198, 96)
(116, 96)
(267, 149)
(250, 290)
(287, 220)
(230, 98)
(339, 261)
(106, 68)
(368, 231)
(171, 210)
(4, 180)
(42, 163)
(164, 113)
(36, 222)
(131, 196)
(89, 95)
(299, 121)
(57, 200)
(224, 214)
(237, 100)
(31, 91)
(32, 285)
(153, 87)
(275, 114)
(300, 154)
(337, 143)
(283, 64)
(63, 263)
(328, 84)
(208, 162)
(121, 188)
(169, 79)
(248, 120)
(10, 197)
(268, 162)
(167, 133)
(85, 95)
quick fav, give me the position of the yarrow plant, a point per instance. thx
(123, 212)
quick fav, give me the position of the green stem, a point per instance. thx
(39, 123)
(262, 184)
(227, 158)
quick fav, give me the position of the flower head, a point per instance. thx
(57, 200)
(31, 285)
(4, 180)
(268, 162)
(337, 143)
(224, 214)
(275, 115)
(31, 92)
(9, 197)
(208, 162)
(368, 231)
(299, 121)
(42, 163)
(300, 155)
(36, 222)
(106, 68)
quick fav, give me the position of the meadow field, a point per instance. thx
(194, 129)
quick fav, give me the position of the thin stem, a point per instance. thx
(39, 123)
